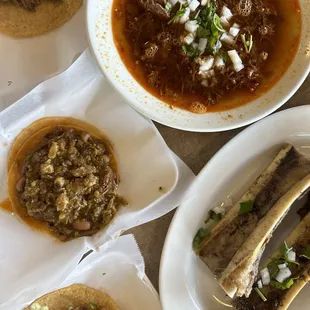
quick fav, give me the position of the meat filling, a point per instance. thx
(70, 182)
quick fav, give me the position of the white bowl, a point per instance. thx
(102, 44)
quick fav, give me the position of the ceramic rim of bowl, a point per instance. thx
(99, 28)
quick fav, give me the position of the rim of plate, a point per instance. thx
(99, 29)
(242, 134)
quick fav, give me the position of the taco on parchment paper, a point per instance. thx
(26, 18)
(63, 178)
(74, 297)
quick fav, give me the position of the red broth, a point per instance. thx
(281, 53)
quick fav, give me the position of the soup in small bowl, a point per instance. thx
(202, 65)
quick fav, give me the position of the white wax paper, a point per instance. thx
(26, 62)
(117, 269)
(145, 164)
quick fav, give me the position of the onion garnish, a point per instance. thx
(264, 273)
(226, 12)
(202, 44)
(191, 26)
(189, 39)
(248, 44)
(283, 275)
(185, 17)
(260, 284)
(194, 5)
(291, 256)
(222, 303)
(236, 60)
(261, 295)
(227, 38)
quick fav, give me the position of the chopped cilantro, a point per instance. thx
(179, 13)
(273, 267)
(190, 51)
(284, 250)
(306, 252)
(282, 286)
(202, 32)
(246, 206)
(215, 216)
(168, 6)
(200, 235)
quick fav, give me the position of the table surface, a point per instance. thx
(195, 149)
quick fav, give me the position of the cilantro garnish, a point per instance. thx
(306, 252)
(202, 32)
(284, 250)
(179, 13)
(190, 51)
(246, 206)
(168, 6)
(200, 235)
(282, 286)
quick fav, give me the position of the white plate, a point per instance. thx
(101, 40)
(185, 281)
(27, 62)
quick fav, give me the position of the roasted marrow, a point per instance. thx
(234, 248)
(278, 296)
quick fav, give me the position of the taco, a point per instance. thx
(235, 245)
(63, 178)
(74, 297)
(284, 275)
(25, 18)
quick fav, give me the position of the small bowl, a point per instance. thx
(99, 15)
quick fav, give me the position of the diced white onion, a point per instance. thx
(234, 56)
(185, 17)
(189, 39)
(238, 67)
(236, 60)
(291, 255)
(217, 45)
(227, 38)
(219, 63)
(283, 275)
(227, 12)
(282, 266)
(194, 5)
(202, 44)
(195, 45)
(224, 22)
(207, 64)
(234, 31)
(260, 284)
(264, 273)
(191, 26)
(219, 210)
(204, 2)
(235, 25)
(173, 2)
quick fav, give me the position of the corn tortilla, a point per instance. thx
(18, 22)
(74, 296)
